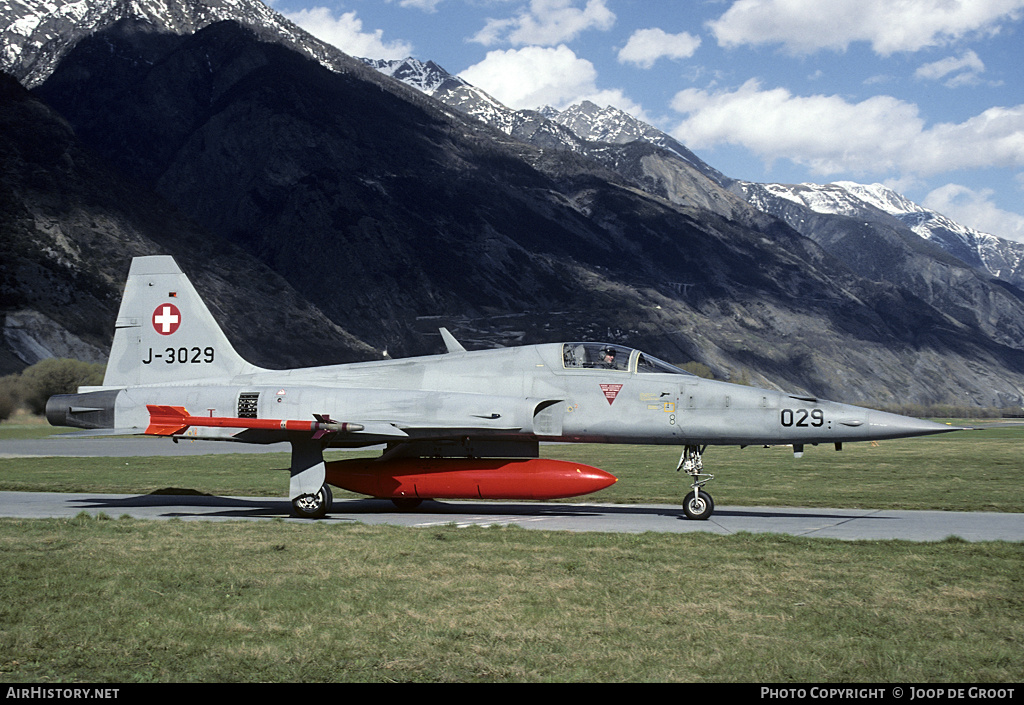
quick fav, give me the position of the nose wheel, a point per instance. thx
(697, 504)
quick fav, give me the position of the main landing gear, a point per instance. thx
(698, 503)
(313, 506)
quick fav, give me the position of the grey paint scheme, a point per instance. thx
(169, 350)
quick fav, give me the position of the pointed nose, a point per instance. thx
(881, 424)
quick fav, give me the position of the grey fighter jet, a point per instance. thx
(463, 424)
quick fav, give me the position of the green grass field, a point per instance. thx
(121, 600)
(124, 601)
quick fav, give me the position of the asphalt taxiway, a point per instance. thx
(850, 524)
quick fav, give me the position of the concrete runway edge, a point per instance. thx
(847, 524)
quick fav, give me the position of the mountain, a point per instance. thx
(37, 34)
(624, 144)
(590, 129)
(389, 213)
(69, 226)
(412, 213)
(1002, 258)
(434, 81)
(873, 230)
(881, 247)
(646, 157)
(614, 126)
(997, 256)
(583, 123)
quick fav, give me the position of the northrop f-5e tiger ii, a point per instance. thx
(460, 425)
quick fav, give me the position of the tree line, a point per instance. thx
(30, 388)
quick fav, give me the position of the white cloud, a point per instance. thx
(829, 135)
(822, 132)
(806, 26)
(547, 23)
(425, 5)
(994, 138)
(533, 77)
(961, 71)
(976, 209)
(939, 69)
(346, 33)
(646, 46)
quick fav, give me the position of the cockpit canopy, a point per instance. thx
(608, 356)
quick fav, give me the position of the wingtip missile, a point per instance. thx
(167, 420)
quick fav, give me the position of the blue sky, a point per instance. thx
(925, 96)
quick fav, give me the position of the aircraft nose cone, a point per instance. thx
(881, 424)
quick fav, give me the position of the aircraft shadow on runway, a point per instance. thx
(213, 506)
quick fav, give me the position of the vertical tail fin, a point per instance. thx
(165, 333)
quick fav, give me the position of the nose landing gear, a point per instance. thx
(698, 503)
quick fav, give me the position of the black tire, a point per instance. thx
(313, 506)
(700, 507)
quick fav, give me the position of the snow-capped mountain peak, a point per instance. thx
(597, 124)
(37, 34)
(881, 197)
(545, 126)
(872, 202)
(426, 77)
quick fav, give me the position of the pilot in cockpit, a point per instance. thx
(608, 358)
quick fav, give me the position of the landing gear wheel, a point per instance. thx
(407, 504)
(698, 507)
(313, 506)
(697, 504)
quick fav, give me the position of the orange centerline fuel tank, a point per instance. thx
(467, 478)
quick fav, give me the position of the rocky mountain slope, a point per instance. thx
(879, 204)
(409, 214)
(69, 226)
(597, 132)
(37, 34)
(879, 246)
(391, 213)
(648, 158)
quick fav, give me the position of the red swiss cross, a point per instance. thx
(166, 319)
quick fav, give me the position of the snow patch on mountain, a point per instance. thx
(579, 128)
(37, 34)
(1002, 258)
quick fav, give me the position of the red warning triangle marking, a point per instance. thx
(610, 391)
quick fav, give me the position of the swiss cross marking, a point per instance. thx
(166, 319)
(610, 391)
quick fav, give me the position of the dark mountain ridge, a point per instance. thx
(394, 215)
(69, 228)
(875, 232)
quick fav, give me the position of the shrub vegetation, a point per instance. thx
(47, 377)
